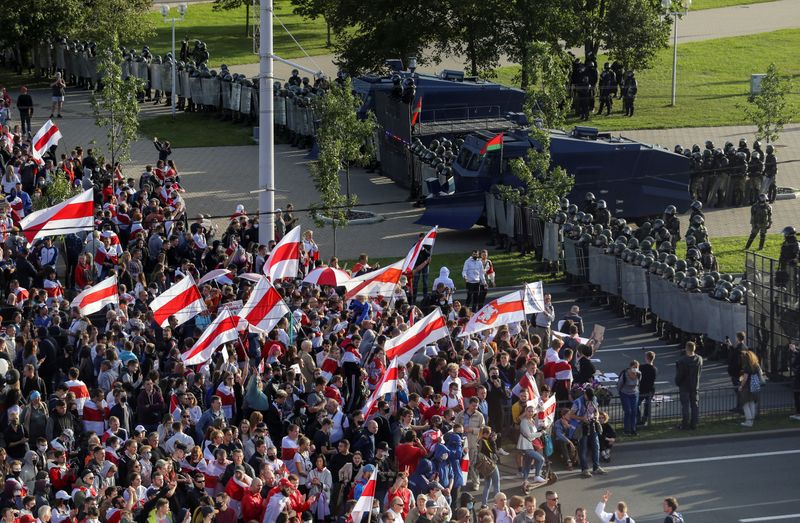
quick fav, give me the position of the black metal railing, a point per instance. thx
(715, 404)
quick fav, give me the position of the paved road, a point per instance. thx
(727, 480)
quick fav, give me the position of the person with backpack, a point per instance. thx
(619, 515)
(670, 508)
(628, 387)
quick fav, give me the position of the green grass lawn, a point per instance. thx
(697, 5)
(224, 33)
(668, 430)
(195, 130)
(730, 253)
(713, 77)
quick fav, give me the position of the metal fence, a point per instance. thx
(715, 404)
(773, 312)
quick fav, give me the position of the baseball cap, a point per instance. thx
(431, 504)
(239, 468)
(152, 491)
(139, 428)
(206, 510)
(62, 494)
(382, 445)
(434, 485)
(285, 483)
(35, 395)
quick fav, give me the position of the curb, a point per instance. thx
(359, 221)
(711, 438)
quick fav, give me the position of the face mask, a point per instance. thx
(146, 455)
(302, 412)
(445, 456)
(42, 448)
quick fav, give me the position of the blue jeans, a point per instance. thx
(630, 408)
(421, 275)
(645, 405)
(528, 458)
(589, 440)
(493, 480)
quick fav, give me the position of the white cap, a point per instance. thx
(140, 428)
(240, 208)
(61, 494)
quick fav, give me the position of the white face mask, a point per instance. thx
(42, 448)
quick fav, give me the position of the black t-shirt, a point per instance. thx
(423, 256)
(24, 101)
(647, 383)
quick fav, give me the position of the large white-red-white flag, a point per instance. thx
(96, 297)
(501, 311)
(380, 282)
(284, 260)
(386, 385)
(265, 307)
(547, 412)
(364, 503)
(183, 300)
(426, 331)
(221, 330)
(46, 137)
(428, 240)
(73, 215)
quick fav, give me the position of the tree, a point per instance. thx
(227, 5)
(115, 106)
(313, 9)
(343, 139)
(114, 22)
(56, 191)
(634, 32)
(474, 30)
(547, 96)
(770, 110)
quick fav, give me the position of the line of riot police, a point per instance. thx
(613, 82)
(731, 176)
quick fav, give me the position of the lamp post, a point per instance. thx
(165, 13)
(675, 9)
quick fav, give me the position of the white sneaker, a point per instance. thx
(795, 417)
(747, 424)
(502, 452)
(539, 479)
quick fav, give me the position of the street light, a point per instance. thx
(675, 9)
(165, 13)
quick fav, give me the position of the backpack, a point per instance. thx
(614, 518)
(677, 517)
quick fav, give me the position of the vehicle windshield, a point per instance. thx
(469, 160)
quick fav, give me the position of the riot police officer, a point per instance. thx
(584, 93)
(755, 177)
(696, 178)
(601, 215)
(630, 90)
(608, 87)
(760, 221)
(744, 149)
(697, 209)
(790, 249)
(673, 224)
(770, 173)
(738, 178)
(707, 258)
(590, 204)
(295, 79)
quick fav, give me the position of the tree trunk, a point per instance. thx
(472, 57)
(247, 18)
(334, 239)
(525, 67)
(328, 37)
(347, 184)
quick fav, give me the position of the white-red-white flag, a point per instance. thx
(221, 330)
(465, 467)
(284, 260)
(183, 300)
(386, 385)
(501, 311)
(534, 297)
(428, 240)
(547, 412)
(45, 138)
(364, 503)
(380, 282)
(97, 296)
(265, 308)
(223, 276)
(426, 331)
(73, 215)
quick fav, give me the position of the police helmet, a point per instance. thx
(757, 145)
(564, 204)
(589, 197)
(679, 149)
(710, 145)
(646, 245)
(459, 143)
(708, 282)
(653, 268)
(697, 205)
(295, 72)
(692, 283)
(626, 254)
(587, 219)
(721, 293)
(572, 209)
(691, 272)
(577, 230)
(743, 142)
(716, 275)
(560, 218)
(679, 276)
(695, 148)
(680, 265)
(670, 210)
(762, 198)
(789, 231)
(585, 238)
(647, 261)
(601, 241)
(770, 149)
(671, 260)
(690, 242)
(704, 247)
(660, 266)
(601, 204)
(668, 273)
(579, 216)
(741, 156)
(658, 224)
(726, 277)
(736, 296)
(697, 220)
(633, 243)
(665, 247)
(692, 254)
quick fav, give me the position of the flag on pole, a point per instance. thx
(380, 282)
(221, 330)
(364, 503)
(429, 329)
(183, 300)
(174, 408)
(46, 137)
(534, 297)
(465, 467)
(494, 144)
(386, 385)
(428, 240)
(264, 308)
(284, 260)
(97, 296)
(416, 112)
(73, 215)
(501, 311)
(547, 413)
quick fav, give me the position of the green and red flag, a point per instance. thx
(495, 144)
(416, 112)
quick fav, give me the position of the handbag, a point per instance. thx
(484, 465)
(755, 382)
(548, 445)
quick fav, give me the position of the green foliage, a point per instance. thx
(634, 32)
(529, 21)
(548, 73)
(314, 9)
(473, 30)
(115, 107)
(25, 22)
(56, 191)
(770, 110)
(111, 22)
(343, 141)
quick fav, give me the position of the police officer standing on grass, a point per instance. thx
(673, 224)
(629, 91)
(608, 86)
(760, 221)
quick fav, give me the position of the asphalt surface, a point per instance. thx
(728, 480)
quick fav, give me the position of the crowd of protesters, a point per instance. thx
(103, 422)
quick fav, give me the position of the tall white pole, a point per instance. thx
(266, 147)
(674, 57)
(174, 67)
